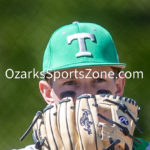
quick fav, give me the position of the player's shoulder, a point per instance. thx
(143, 145)
(29, 147)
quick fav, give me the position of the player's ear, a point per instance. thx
(45, 90)
(120, 84)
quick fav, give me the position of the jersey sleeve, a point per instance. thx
(144, 145)
(29, 147)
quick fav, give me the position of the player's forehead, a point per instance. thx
(89, 69)
(84, 73)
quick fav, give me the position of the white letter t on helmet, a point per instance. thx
(82, 47)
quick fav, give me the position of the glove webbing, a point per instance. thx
(124, 108)
(125, 131)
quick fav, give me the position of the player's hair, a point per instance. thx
(49, 80)
(116, 71)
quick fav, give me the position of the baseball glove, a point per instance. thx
(93, 122)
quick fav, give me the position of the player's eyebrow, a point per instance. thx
(69, 82)
(99, 80)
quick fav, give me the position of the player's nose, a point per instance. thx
(86, 89)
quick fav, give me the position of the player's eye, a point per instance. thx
(69, 83)
(99, 80)
(67, 94)
(103, 91)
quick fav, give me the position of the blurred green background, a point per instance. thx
(25, 28)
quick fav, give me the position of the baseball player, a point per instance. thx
(85, 108)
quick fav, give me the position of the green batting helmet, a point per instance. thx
(80, 45)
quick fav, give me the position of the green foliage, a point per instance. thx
(25, 28)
